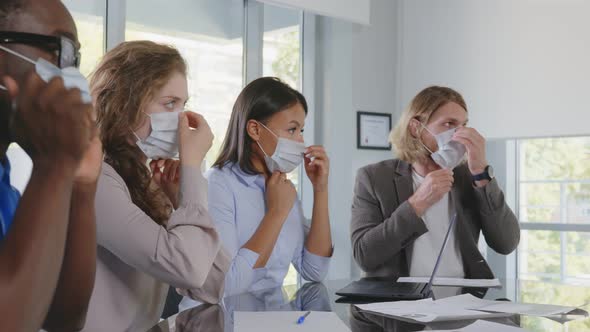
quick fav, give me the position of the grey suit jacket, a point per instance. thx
(384, 225)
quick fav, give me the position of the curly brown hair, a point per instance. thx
(122, 85)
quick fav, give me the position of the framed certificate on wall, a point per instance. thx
(372, 130)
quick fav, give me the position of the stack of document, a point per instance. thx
(540, 310)
(429, 310)
(464, 307)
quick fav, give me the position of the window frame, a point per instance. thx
(561, 227)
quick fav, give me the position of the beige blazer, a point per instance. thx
(384, 225)
(137, 259)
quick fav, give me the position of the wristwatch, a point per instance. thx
(488, 174)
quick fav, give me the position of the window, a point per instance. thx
(209, 35)
(553, 293)
(281, 53)
(554, 211)
(282, 45)
(281, 57)
(90, 21)
(554, 195)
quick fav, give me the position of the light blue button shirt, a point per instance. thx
(237, 205)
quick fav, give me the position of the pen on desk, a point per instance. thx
(302, 318)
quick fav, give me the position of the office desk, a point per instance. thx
(321, 297)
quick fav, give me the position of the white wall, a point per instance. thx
(355, 70)
(517, 62)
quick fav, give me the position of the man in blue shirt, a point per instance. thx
(47, 236)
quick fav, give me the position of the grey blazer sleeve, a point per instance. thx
(498, 223)
(377, 238)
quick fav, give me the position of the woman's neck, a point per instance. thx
(260, 166)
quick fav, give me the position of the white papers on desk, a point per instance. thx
(485, 326)
(428, 310)
(286, 321)
(457, 282)
(463, 307)
(540, 310)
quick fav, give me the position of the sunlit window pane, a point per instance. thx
(209, 35)
(90, 21)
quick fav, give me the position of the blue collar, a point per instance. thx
(249, 179)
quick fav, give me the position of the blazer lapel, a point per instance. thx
(404, 188)
(403, 182)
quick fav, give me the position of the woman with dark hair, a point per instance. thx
(152, 225)
(251, 201)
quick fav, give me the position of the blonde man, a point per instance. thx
(402, 207)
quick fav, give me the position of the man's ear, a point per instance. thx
(253, 130)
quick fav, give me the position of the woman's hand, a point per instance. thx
(166, 174)
(195, 138)
(317, 167)
(280, 194)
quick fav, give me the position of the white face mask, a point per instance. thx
(162, 142)
(46, 70)
(288, 154)
(450, 153)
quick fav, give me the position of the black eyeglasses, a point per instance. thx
(63, 47)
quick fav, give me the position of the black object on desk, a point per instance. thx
(386, 289)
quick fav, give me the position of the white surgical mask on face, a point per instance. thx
(450, 153)
(288, 154)
(46, 70)
(162, 142)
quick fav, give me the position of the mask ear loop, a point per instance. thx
(257, 142)
(16, 54)
(422, 126)
(265, 127)
(135, 134)
(260, 146)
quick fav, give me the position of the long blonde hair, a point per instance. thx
(122, 85)
(407, 147)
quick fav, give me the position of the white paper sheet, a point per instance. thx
(540, 310)
(485, 326)
(458, 282)
(285, 321)
(428, 310)
(464, 306)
